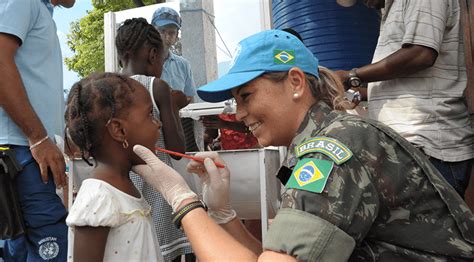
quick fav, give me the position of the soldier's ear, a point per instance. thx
(297, 81)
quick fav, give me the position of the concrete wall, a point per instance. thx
(198, 39)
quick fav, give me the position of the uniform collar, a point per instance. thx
(171, 56)
(319, 116)
(48, 5)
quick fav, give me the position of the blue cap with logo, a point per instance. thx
(267, 51)
(165, 16)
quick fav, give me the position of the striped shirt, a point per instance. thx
(426, 107)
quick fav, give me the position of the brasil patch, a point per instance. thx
(284, 56)
(331, 147)
(310, 174)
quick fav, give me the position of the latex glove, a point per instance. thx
(215, 184)
(162, 177)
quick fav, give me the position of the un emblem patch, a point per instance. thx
(236, 55)
(284, 56)
(48, 248)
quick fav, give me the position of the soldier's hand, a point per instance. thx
(49, 157)
(163, 178)
(215, 186)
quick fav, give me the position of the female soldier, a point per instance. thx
(354, 189)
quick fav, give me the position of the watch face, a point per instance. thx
(354, 82)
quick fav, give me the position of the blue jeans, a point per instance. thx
(44, 215)
(456, 173)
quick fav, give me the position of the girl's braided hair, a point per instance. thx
(91, 103)
(133, 34)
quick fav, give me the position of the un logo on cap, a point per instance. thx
(236, 55)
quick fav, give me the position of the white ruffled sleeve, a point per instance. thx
(94, 206)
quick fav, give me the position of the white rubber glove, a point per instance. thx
(215, 186)
(162, 177)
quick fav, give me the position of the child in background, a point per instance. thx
(177, 73)
(106, 115)
(141, 53)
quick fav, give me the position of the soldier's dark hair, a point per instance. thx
(135, 33)
(327, 88)
(91, 103)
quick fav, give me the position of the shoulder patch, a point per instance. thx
(331, 147)
(310, 174)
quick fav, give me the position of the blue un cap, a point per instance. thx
(165, 16)
(267, 51)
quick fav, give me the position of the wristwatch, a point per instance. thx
(353, 80)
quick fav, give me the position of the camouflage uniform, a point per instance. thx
(385, 203)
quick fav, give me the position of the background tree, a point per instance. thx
(86, 37)
(140, 2)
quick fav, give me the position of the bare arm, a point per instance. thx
(14, 101)
(89, 243)
(276, 256)
(237, 230)
(211, 242)
(172, 129)
(180, 99)
(406, 61)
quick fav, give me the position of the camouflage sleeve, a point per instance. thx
(307, 237)
(349, 199)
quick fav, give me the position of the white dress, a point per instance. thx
(131, 236)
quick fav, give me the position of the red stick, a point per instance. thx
(186, 156)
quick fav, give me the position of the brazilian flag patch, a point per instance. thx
(284, 57)
(310, 174)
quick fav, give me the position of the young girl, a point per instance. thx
(106, 115)
(140, 50)
(141, 54)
